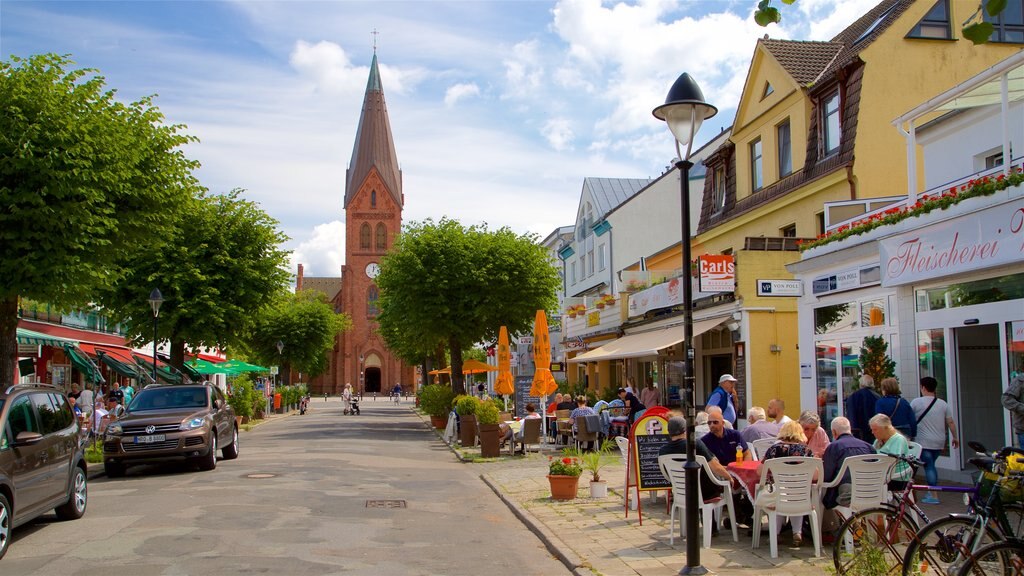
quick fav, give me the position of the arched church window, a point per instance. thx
(373, 198)
(364, 236)
(371, 301)
(382, 237)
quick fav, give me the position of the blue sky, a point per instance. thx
(498, 109)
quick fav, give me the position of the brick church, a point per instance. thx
(373, 218)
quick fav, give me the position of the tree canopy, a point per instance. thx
(84, 179)
(220, 266)
(445, 283)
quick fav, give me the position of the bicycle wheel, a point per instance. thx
(880, 529)
(1015, 519)
(939, 547)
(999, 559)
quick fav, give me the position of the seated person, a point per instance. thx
(723, 441)
(581, 410)
(844, 445)
(701, 424)
(677, 445)
(505, 431)
(554, 404)
(567, 403)
(791, 443)
(817, 439)
(890, 441)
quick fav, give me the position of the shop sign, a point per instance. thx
(557, 367)
(780, 288)
(717, 273)
(593, 319)
(846, 280)
(983, 239)
(576, 343)
(524, 340)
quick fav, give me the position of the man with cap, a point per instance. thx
(677, 445)
(724, 396)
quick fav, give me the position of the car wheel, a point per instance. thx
(209, 462)
(231, 450)
(5, 524)
(114, 469)
(78, 499)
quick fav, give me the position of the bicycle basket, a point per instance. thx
(1010, 489)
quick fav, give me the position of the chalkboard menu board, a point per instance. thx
(523, 385)
(740, 373)
(647, 447)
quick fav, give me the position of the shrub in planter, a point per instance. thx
(467, 406)
(241, 396)
(436, 400)
(487, 417)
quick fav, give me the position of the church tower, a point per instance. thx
(373, 218)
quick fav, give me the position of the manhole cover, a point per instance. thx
(260, 476)
(385, 503)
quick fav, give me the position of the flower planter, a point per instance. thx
(489, 446)
(467, 430)
(598, 489)
(563, 487)
(439, 422)
(600, 305)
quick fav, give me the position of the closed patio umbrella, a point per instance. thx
(503, 385)
(543, 381)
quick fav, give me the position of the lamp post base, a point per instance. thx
(692, 570)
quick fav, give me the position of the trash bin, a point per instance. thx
(277, 404)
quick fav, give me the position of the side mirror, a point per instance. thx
(26, 438)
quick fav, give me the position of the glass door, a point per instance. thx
(980, 386)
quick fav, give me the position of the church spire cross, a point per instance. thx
(375, 34)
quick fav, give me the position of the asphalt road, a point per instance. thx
(298, 500)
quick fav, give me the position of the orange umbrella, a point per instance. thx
(543, 381)
(503, 385)
(472, 366)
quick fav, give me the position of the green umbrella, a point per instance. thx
(203, 367)
(238, 367)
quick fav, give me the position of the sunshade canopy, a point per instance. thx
(645, 343)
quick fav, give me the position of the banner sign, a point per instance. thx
(780, 288)
(717, 273)
(983, 239)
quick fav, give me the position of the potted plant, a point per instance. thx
(593, 462)
(466, 406)
(241, 399)
(564, 476)
(436, 401)
(487, 419)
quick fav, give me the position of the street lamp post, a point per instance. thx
(280, 360)
(684, 110)
(155, 300)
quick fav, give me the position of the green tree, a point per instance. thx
(81, 178)
(305, 323)
(445, 283)
(221, 265)
(874, 359)
(975, 28)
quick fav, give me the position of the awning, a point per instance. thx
(33, 338)
(164, 372)
(84, 364)
(118, 359)
(645, 343)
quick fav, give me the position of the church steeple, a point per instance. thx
(374, 146)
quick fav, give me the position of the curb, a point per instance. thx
(555, 546)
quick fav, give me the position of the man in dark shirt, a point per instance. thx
(567, 403)
(844, 445)
(677, 445)
(860, 407)
(633, 403)
(723, 441)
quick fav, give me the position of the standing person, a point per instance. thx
(817, 439)
(346, 398)
(633, 404)
(776, 410)
(650, 396)
(791, 443)
(129, 393)
(86, 400)
(896, 408)
(860, 407)
(1013, 400)
(724, 397)
(934, 418)
(115, 394)
(888, 440)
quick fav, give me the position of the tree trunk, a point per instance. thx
(458, 382)
(177, 353)
(9, 339)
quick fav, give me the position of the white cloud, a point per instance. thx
(558, 133)
(460, 91)
(328, 66)
(323, 252)
(524, 70)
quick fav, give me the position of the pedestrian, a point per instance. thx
(632, 403)
(1013, 400)
(724, 397)
(129, 393)
(346, 399)
(896, 408)
(650, 396)
(934, 419)
(860, 407)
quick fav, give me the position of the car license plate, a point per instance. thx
(149, 439)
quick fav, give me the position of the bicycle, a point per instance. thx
(947, 543)
(999, 559)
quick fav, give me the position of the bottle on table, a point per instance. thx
(739, 453)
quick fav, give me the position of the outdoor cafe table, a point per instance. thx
(747, 473)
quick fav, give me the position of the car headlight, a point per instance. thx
(114, 429)
(192, 424)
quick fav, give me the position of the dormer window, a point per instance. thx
(830, 126)
(935, 23)
(373, 198)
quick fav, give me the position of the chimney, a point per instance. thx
(298, 280)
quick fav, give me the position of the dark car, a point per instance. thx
(42, 461)
(172, 422)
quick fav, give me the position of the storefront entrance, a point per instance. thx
(978, 369)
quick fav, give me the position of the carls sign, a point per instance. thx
(717, 273)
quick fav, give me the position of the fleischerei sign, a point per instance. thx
(984, 239)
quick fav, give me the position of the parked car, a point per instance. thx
(172, 422)
(42, 459)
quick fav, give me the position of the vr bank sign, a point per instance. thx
(990, 237)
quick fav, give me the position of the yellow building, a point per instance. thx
(813, 125)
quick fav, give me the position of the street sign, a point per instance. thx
(273, 370)
(780, 288)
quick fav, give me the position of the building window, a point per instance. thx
(572, 272)
(935, 23)
(718, 189)
(993, 160)
(767, 90)
(820, 217)
(785, 149)
(1009, 23)
(756, 173)
(373, 198)
(382, 237)
(788, 231)
(364, 236)
(601, 262)
(830, 123)
(371, 301)
(590, 263)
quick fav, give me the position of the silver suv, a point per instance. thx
(42, 461)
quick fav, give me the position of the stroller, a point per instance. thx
(353, 406)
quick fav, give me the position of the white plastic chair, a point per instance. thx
(672, 467)
(761, 445)
(790, 493)
(914, 449)
(869, 478)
